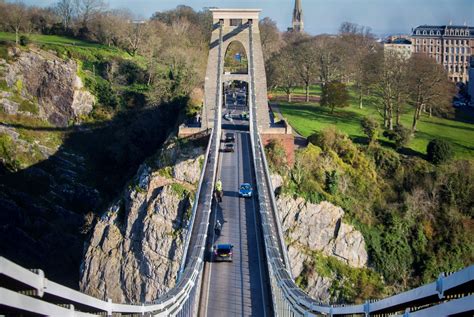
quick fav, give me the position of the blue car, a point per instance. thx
(245, 190)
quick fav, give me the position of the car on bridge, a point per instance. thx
(245, 190)
(229, 147)
(230, 137)
(223, 252)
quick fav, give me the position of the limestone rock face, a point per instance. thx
(136, 247)
(53, 82)
(319, 227)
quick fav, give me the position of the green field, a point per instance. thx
(307, 118)
(51, 39)
(71, 47)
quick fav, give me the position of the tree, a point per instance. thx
(335, 94)
(370, 127)
(391, 84)
(282, 71)
(270, 37)
(306, 64)
(16, 18)
(329, 59)
(66, 10)
(87, 9)
(439, 151)
(428, 85)
(358, 43)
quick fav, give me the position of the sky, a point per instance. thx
(325, 16)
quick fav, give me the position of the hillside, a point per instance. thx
(76, 123)
(416, 218)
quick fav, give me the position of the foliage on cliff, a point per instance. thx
(416, 218)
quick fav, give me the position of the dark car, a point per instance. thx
(230, 137)
(229, 147)
(223, 252)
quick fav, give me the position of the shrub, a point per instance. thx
(276, 155)
(439, 151)
(24, 40)
(386, 160)
(400, 136)
(370, 127)
(326, 139)
(331, 182)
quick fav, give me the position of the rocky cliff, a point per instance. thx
(48, 82)
(136, 246)
(55, 177)
(318, 229)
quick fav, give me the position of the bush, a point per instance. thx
(276, 155)
(370, 127)
(400, 136)
(439, 151)
(24, 40)
(386, 160)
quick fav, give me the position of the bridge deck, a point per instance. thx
(239, 288)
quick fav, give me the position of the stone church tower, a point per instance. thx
(297, 22)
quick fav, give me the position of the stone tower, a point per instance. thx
(297, 22)
(235, 27)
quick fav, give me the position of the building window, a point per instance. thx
(235, 22)
(462, 58)
(446, 58)
(424, 32)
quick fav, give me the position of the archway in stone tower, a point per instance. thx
(235, 106)
(235, 59)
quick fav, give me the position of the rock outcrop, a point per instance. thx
(136, 247)
(52, 82)
(319, 228)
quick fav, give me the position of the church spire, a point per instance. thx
(297, 23)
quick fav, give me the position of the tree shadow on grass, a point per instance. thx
(42, 207)
(321, 113)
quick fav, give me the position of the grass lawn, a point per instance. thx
(51, 39)
(307, 118)
(71, 47)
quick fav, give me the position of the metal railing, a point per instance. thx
(290, 300)
(30, 291)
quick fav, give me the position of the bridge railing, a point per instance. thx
(30, 291)
(290, 300)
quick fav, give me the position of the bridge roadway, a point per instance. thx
(239, 288)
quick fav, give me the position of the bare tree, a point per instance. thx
(390, 84)
(429, 86)
(282, 71)
(16, 18)
(329, 58)
(307, 64)
(358, 43)
(270, 37)
(87, 9)
(65, 9)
